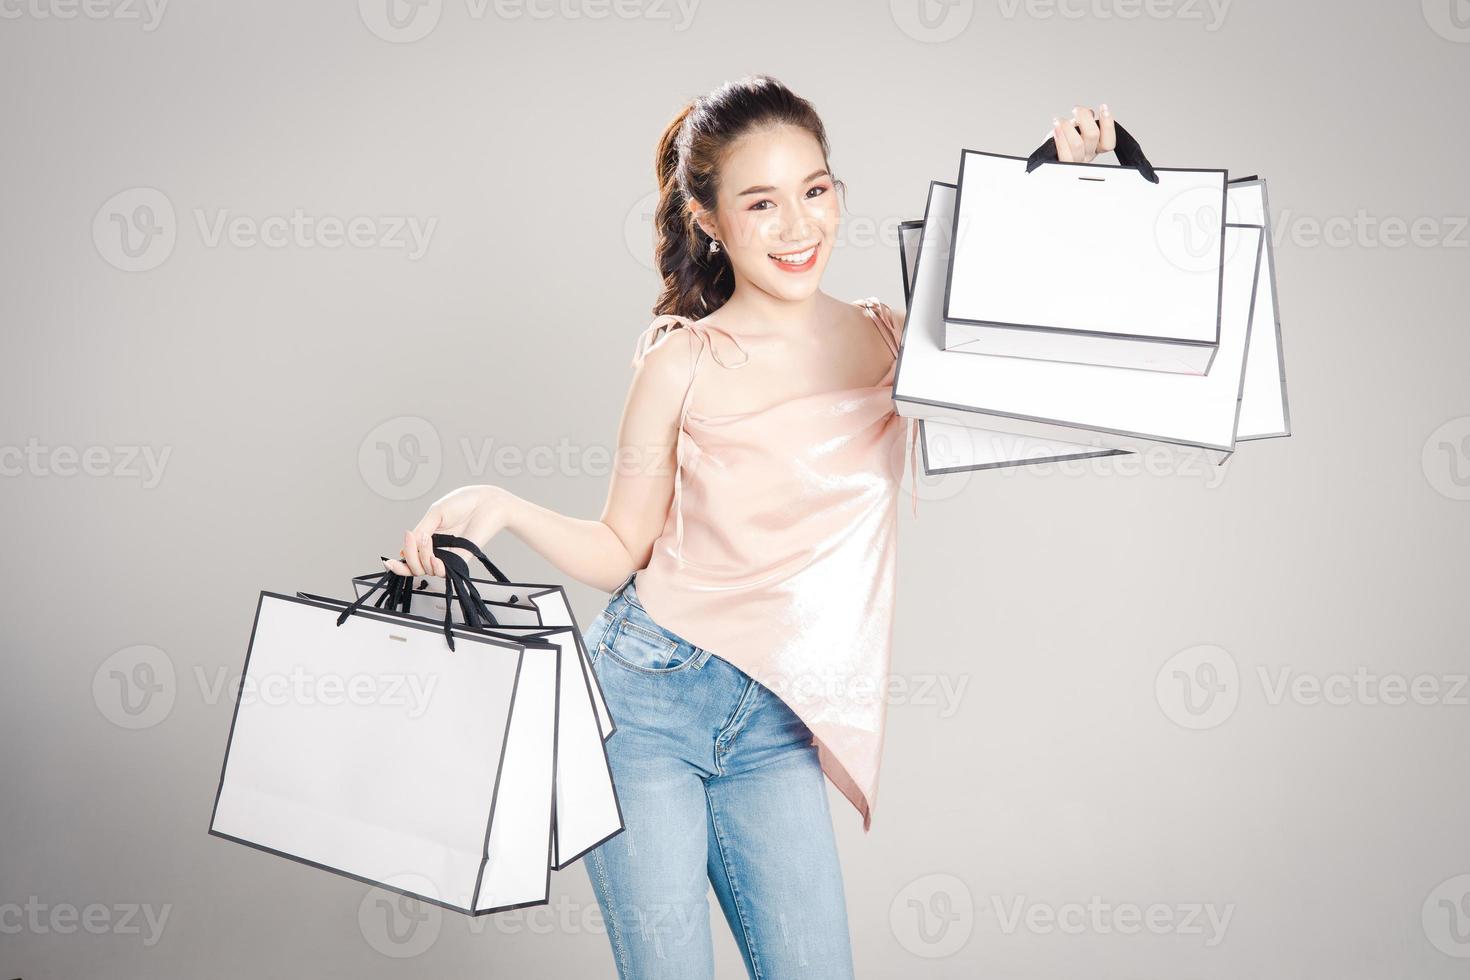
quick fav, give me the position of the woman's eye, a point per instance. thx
(819, 189)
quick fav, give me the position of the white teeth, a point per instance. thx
(800, 258)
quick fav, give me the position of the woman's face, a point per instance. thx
(777, 213)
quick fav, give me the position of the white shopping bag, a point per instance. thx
(909, 233)
(1051, 401)
(950, 445)
(586, 811)
(508, 603)
(1134, 281)
(369, 748)
(1264, 412)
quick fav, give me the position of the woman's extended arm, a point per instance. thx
(600, 553)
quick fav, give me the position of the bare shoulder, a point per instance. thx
(883, 307)
(662, 360)
(665, 348)
(885, 314)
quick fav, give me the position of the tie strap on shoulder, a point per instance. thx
(653, 336)
(883, 314)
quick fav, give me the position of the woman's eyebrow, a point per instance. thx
(766, 188)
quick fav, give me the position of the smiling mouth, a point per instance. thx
(795, 261)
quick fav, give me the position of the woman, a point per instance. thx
(748, 543)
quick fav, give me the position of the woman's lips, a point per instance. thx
(786, 266)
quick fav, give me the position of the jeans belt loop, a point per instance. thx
(626, 582)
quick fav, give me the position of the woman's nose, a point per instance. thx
(797, 228)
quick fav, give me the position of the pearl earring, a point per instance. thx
(714, 246)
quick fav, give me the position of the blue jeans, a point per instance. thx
(719, 784)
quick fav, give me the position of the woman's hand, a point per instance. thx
(475, 512)
(1085, 135)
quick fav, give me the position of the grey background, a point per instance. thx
(1064, 607)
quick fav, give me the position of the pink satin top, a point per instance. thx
(778, 554)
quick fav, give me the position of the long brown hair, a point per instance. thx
(696, 281)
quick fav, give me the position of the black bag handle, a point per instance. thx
(398, 589)
(453, 541)
(1129, 154)
(398, 594)
(394, 594)
(459, 588)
